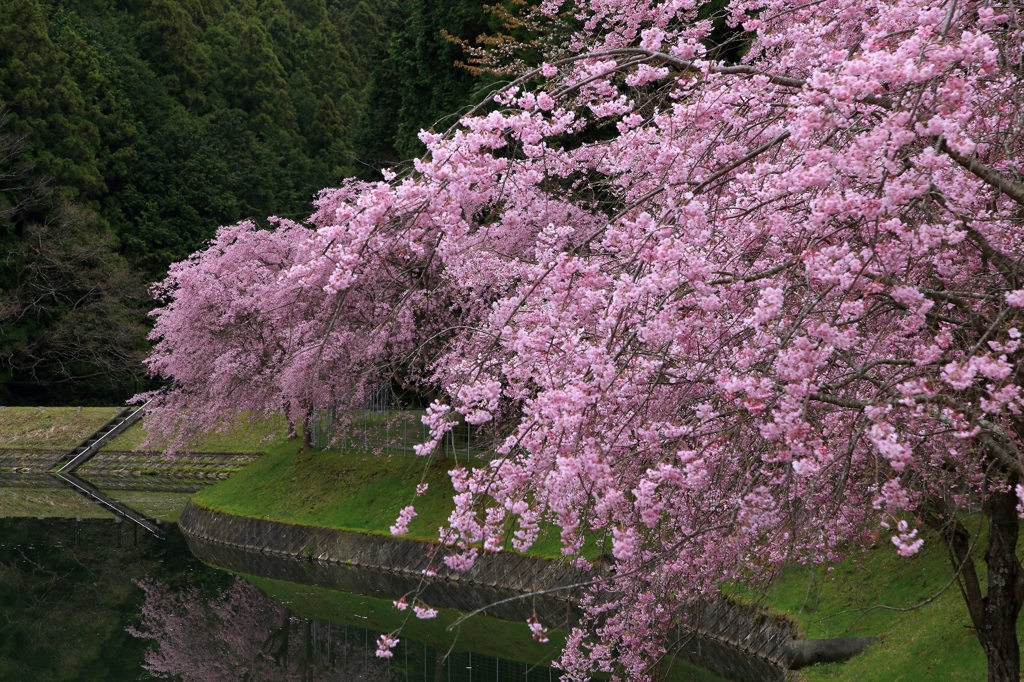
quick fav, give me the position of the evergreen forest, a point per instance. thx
(131, 129)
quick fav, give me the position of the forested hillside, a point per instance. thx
(415, 84)
(133, 128)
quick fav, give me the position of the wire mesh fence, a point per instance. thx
(386, 427)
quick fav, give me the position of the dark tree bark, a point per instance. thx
(1000, 608)
(993, 614)
(307, 430)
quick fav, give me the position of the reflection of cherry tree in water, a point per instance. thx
(239, 635)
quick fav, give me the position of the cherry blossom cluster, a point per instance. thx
(401, 526)
(718, 313)
(385, 643)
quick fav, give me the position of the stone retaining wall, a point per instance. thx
(382, 565)
(151, 471)
(28, 460)
(732, 640)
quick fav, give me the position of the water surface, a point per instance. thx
(97, 599)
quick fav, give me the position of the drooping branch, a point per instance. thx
(991, 176)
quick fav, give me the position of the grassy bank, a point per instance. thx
(59, 429)
(62, 428)
(344, 490)
(244, 436)
(347, 490)
(50, 428)
(874, 593)
(908, 602)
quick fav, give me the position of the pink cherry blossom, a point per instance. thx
(424, 612)
(906, 544)
(725, 314)
(385, 643)
(1015, 298)
(537, 631)
(401, 526)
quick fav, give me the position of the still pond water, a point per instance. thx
(98, 599)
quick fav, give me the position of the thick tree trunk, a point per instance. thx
(994, 615)
(307, 431)
(1001, 606)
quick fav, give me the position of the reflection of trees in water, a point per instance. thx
(66, 594)
(242, 635)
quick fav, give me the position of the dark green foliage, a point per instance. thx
(72, 316)
(152, 122)
(67, 595)
(168, 118)
(415, 84)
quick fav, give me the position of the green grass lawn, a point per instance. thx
(348, 490)
(874, 593)
(50, 428)
(245, 436)
(62, 428)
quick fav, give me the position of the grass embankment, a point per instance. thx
(363, 492)
(344, 490)
(244, 436)
(347, 490)
(62, 428)
(50, 428)
(875, 593)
